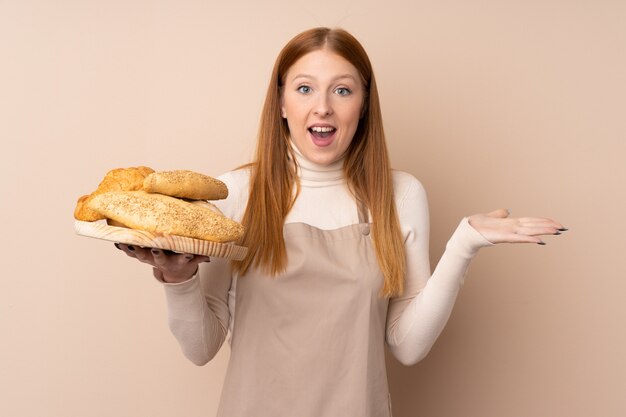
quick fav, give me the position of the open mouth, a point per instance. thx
(322, 132)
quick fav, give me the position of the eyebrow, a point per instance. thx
(338, 77)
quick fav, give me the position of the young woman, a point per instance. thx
(338, 251)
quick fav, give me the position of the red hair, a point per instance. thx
(274, 184)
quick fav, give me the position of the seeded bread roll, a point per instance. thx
(119, 179)
(185, 184)
(157, 213)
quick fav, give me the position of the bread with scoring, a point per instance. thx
(185, 184)
(161, 214)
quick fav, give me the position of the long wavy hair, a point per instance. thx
(274, 185)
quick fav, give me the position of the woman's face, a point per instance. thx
(322, 98)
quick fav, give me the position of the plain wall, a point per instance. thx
(501, 103)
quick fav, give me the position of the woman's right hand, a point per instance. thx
(168, 266)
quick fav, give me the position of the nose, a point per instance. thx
(323, 106)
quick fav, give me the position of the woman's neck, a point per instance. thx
(315, 175)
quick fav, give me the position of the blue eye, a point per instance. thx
(304, 89)
(342, 91)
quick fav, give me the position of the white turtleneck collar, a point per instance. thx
(315, 175)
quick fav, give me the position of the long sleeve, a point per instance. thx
(416, 319)
(199, 309)
(198, 314)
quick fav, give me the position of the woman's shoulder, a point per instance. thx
(410, 194)
(238, 183)
(405, 184)
(237, 178)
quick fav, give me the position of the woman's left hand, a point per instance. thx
(497, 227)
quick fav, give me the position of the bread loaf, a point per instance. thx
(161, 214)
(185, 184)
(119, 179)
(82, 212)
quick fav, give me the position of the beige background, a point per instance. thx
(494, 103)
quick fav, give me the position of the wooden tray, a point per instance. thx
(101, 230)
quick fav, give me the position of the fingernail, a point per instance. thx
(541, 243)
(155, 251)
(563, 230)
(117, 245)
(131, 248)
(557, 233)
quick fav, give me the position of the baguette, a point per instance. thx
(161, 214)
(185, 184)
